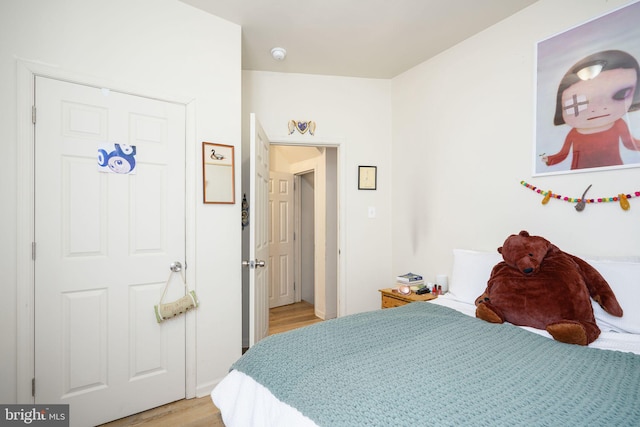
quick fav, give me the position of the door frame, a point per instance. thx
(341, 153)
(26, 71)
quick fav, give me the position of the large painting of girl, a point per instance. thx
(592, 115)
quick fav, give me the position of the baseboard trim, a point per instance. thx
(205, 389)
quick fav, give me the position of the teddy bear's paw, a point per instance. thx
(569, 332)
(609, 303)
(485, 312)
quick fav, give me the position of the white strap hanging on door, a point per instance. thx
(182, 305)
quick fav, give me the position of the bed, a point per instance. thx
(434, 363)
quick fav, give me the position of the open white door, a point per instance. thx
(259, 233)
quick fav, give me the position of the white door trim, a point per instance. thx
(26, 71)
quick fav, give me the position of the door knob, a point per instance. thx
(175, 266)
(253, 264)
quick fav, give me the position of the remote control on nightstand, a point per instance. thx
(422, 291)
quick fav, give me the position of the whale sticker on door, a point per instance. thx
(117, 158)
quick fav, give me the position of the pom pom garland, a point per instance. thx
(622, 197)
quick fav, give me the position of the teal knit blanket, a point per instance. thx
(427, 365)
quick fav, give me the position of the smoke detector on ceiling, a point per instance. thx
(278, 53)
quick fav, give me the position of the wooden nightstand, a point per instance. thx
(392, 298)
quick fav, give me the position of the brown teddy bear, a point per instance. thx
(539, 285)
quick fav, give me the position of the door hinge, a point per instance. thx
(33, 251)
(33, 387)
(33, 114)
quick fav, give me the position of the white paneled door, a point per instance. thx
(281, 239)
(105, 239)
(259, 238)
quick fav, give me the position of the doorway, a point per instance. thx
(299, 159)
(292, 241)
(314, 172)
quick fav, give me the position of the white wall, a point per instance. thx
(160, 48)
(355, 113)
(463, 126)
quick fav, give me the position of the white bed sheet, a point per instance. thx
(606, 340)
(244, 402)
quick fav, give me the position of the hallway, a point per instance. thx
(291, 316)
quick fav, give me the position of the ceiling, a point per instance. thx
(358, 38)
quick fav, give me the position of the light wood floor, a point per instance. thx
(292, 316)
(202, 412)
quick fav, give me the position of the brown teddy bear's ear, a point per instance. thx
(500, 250)
(524, 233)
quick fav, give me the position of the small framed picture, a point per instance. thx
(367, 177)
(218, 173)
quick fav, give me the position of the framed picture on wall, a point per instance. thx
(218, 173)
(588, 96)
(367, 177)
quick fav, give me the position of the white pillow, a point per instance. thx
(624, 280)
(471, 272)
